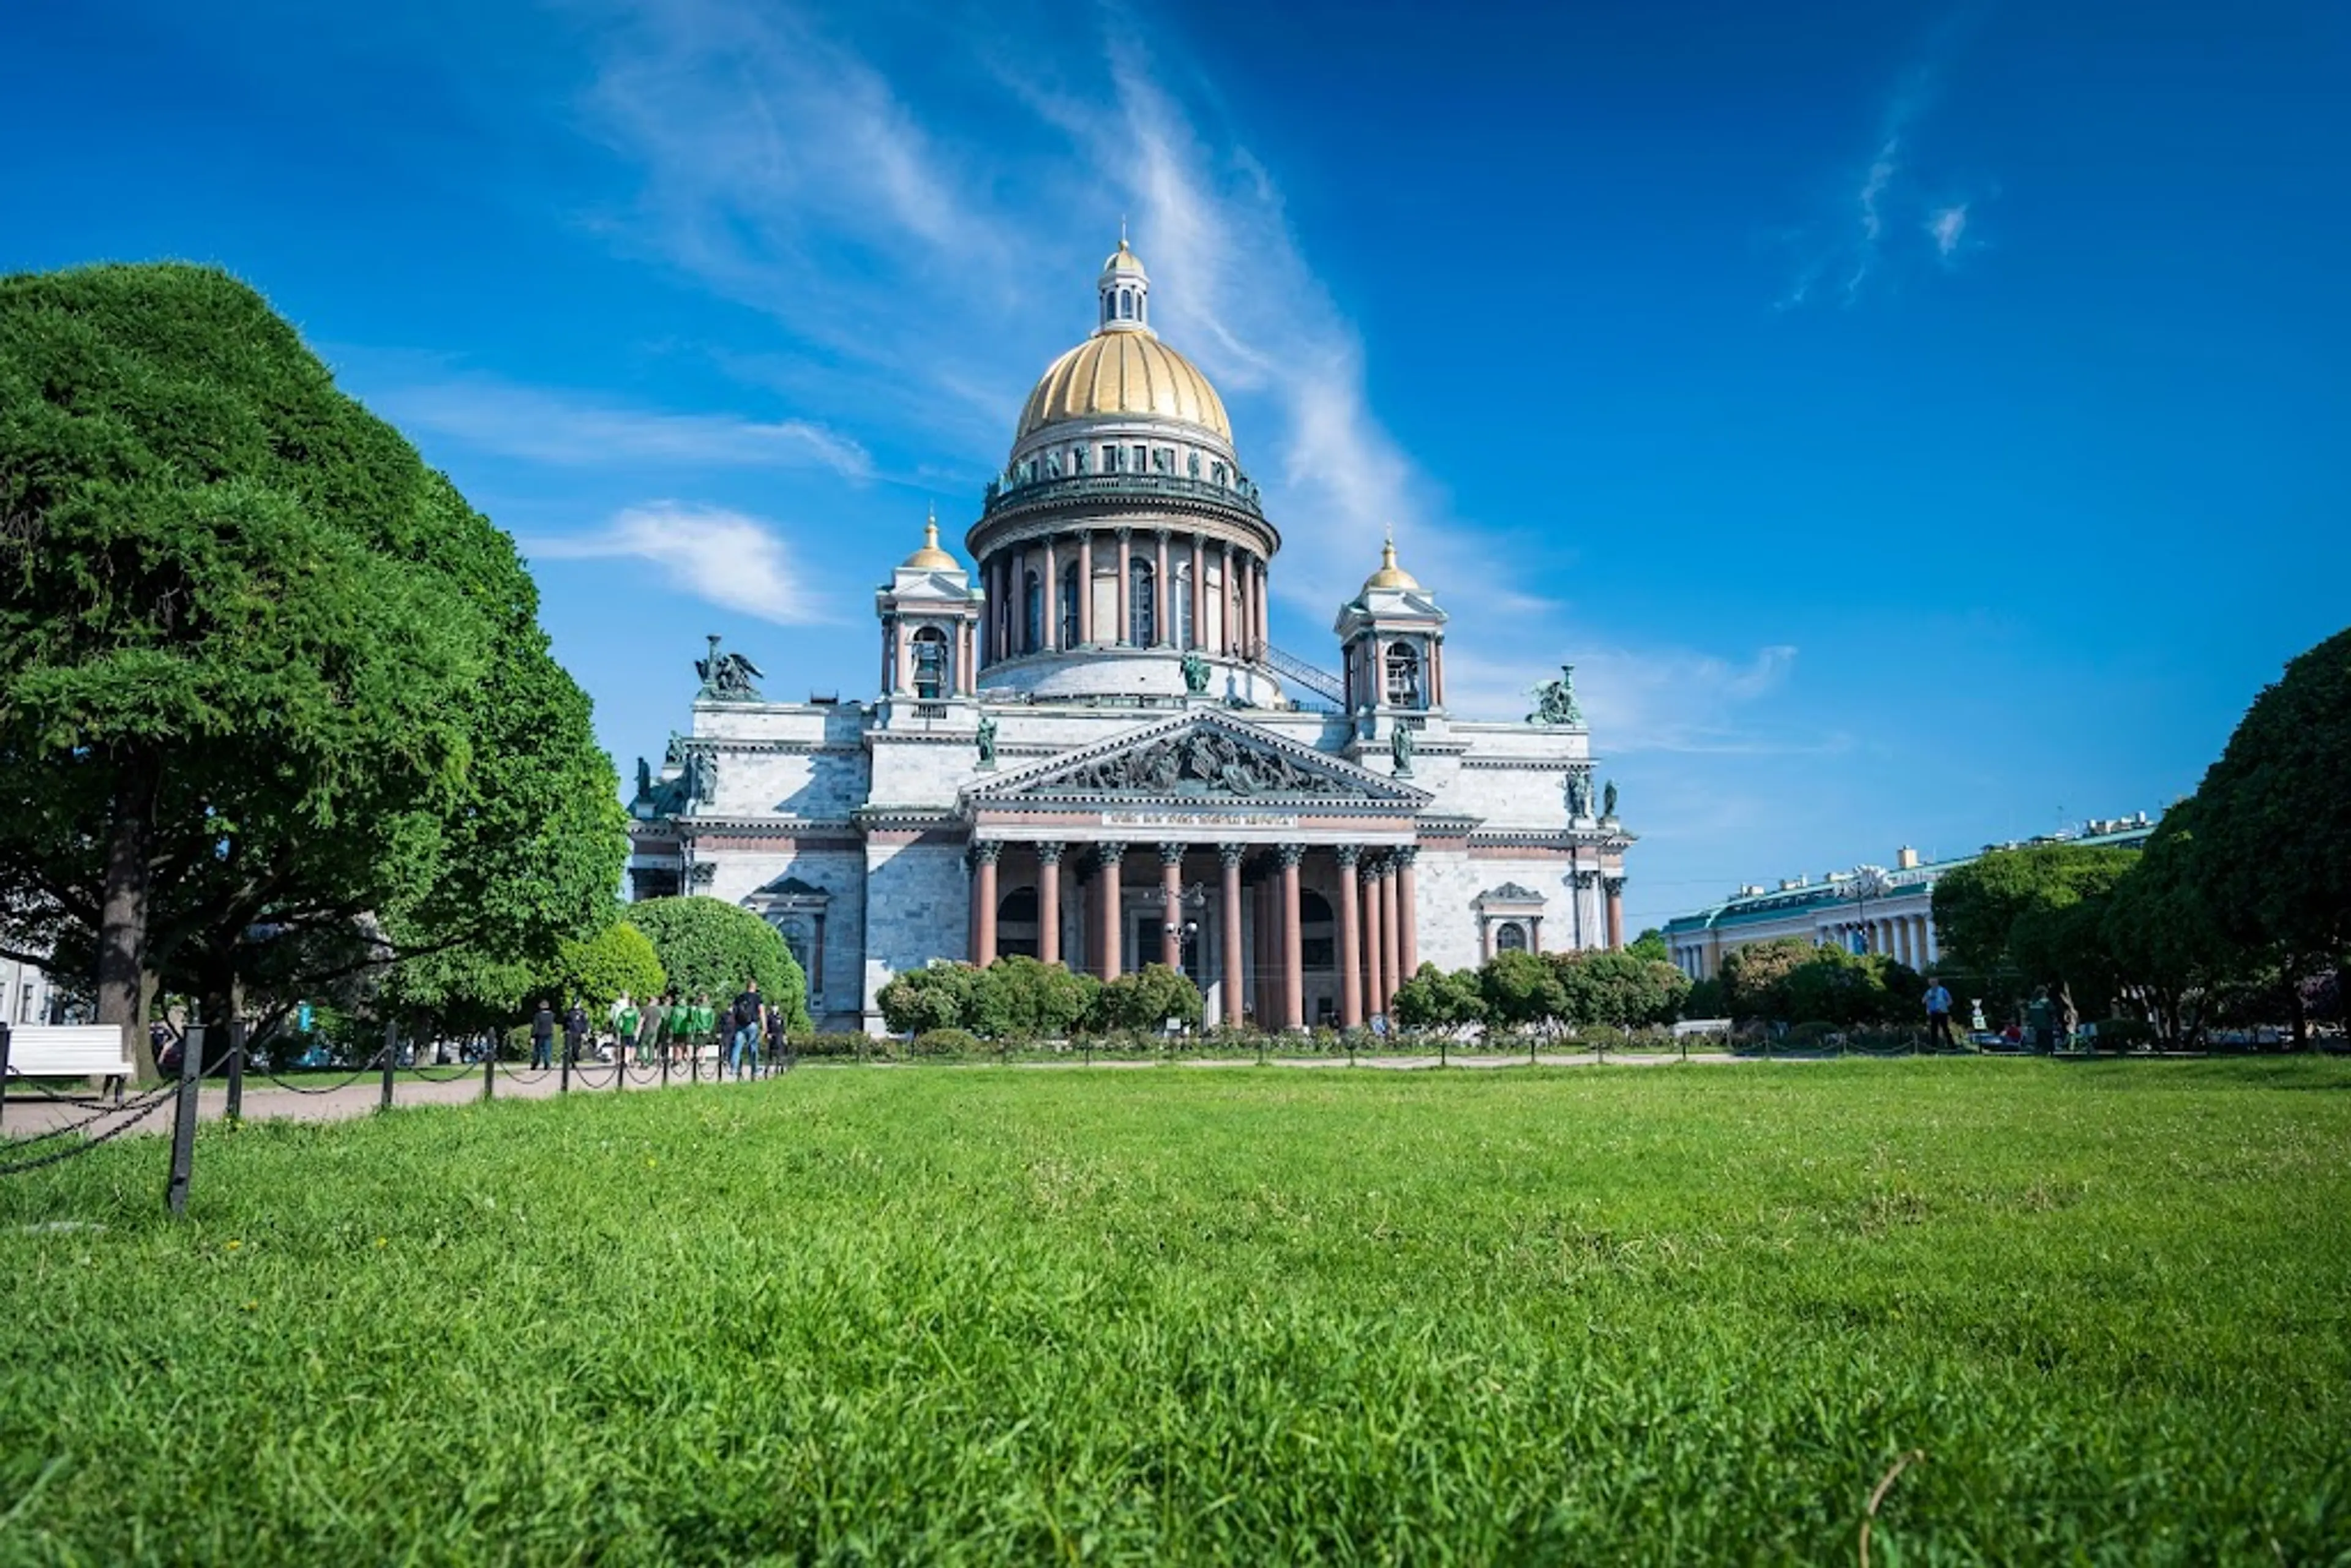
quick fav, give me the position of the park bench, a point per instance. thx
(68, 1050)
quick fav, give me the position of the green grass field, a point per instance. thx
(1658, 1314)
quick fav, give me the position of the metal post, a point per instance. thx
(3, 1067)
(563, 1082)
(184, 1120)
(1530, 1050)
(239, 1031)
(693, 1058)
(665, 1054)
(490, 1066)
(390, 1059)
(620, 1063)
(1444, 1055)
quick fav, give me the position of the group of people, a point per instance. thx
(669, 1028)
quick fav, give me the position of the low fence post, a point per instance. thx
(390, 1061)
(665, 1054)
(619, 1064)
(490, 1068)
(4, 1068)
(1444, 1051)
(183, 1121)
(239, 1031)
(563, 1082)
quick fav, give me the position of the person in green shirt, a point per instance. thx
(624, 1029)
(675, 1028)
(704, 1024)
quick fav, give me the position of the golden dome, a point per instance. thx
(931, 558)
(1390, 574)
(1122, 259)
(1124, 372)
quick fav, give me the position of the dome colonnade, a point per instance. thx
(1123, 528)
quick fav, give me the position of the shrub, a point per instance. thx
(1145, 1000)
(619, 959)
(945, 1042)
(709, 946)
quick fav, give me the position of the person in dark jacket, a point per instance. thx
(575, 1034)
(542, 1035)
(747, 1019)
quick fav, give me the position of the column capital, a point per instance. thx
(984, 852)
(1162, 531)
(1110, 851)
(1291, 854)
(1586, 878)
(1348, 854)
(1124, 532)
(1404, 854)
(1613, 885)
(1050, 852)
(1171, 854)
(1231, 855)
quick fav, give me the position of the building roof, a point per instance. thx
(1837, 888)
(1125, 373)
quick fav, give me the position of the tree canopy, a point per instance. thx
(268, 685)
(708, 946)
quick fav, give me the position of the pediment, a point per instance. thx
(1199, 758)
(1509, 892)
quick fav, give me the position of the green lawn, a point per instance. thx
(1665, 1314)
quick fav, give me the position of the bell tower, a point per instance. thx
(1392, 645)
(930, 628)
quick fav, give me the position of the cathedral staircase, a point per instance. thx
(1306, 683)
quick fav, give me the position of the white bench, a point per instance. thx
(69, 1050)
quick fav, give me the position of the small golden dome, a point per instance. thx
(1390, 574)
(931, 558)
(1115, 372)
(1122, 259)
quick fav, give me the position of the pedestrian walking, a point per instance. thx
(777, 1041)
(575, 1034)
(649, 1030)
(624, 1029)
(542, 1035)
(679, 1028)
(1938, 1015)
(747, 1015)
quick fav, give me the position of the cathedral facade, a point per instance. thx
(1083, 747)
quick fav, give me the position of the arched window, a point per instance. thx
(1016, 924)
(1142, 610)
(1403, 675)
(1125, 306)
(1510, 939)
(1032, 614)
(1069, 587)
(930, 664)
(795, 933)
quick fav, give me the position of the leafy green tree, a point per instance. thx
(1651, 944)
(1039, 1000)
(619, 959)
(2271, 855)
(1146, 999)
(1977, 906)
(1753, 978)
(1849, 989)
(1521, 990)
(708, 946)
(1433, 998)
(1623, 990)
(255, 660)
(2168, 948)
(916, 1001)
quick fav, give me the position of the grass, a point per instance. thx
(1650, 1315)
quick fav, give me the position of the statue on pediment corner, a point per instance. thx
(727, 678)
(1555, 701)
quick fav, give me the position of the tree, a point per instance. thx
(2271, 856)
(1622, 989)
(1650, 944)
(1978, 905)
(1038, 1000)
(618, 960)
(255, 661)
(708, 946)
(916, 1001)
(1753, 976)
(1520, 988)
(1432, 998)
(1146, 999)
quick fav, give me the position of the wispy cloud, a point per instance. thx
(1843, 253)
(727, 558)
(539, 425)
(1948, 225)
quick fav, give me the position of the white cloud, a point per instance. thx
(1644, 699)
(1947, 225)
(543, 427)
(729, 558)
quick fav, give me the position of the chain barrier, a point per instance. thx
(42, 1089)
(372, 1063)
(524, 1075)
(140, 1103)
(143, 1109)
(465, 1070)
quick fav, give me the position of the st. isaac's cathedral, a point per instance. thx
(1085, 749)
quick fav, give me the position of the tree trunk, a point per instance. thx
(122, 910)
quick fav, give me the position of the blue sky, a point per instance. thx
(1918, 425)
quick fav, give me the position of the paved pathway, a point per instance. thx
(29, 1112)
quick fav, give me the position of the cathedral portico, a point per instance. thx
(1084, 749)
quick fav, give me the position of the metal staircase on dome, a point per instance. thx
(1303, 678)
